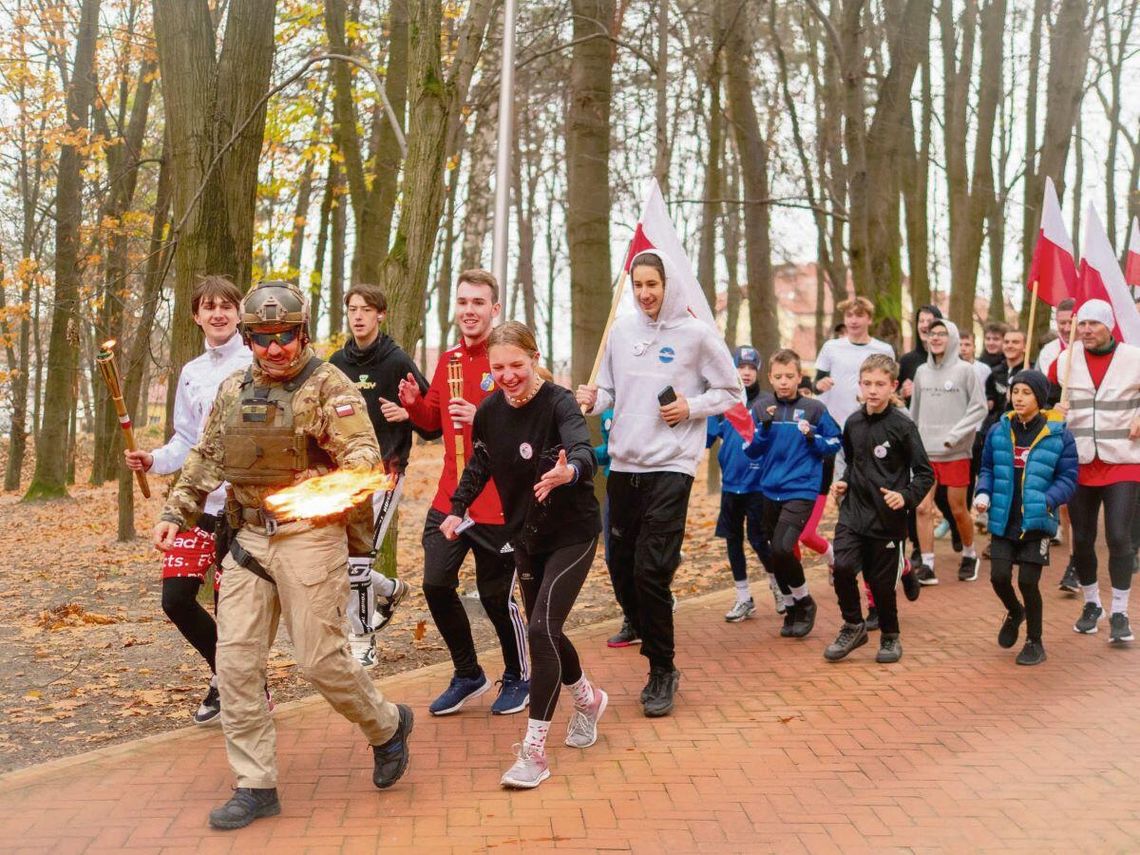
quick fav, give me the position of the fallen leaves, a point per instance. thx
(72, 615)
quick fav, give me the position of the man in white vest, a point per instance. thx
(1103, 410)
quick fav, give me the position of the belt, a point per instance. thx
(260, 517)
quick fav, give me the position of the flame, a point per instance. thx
(108, 345)
(327, 495)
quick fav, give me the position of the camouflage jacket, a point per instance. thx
(328, 407)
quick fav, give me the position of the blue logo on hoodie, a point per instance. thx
(666, 354)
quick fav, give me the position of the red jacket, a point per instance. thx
(430, 413)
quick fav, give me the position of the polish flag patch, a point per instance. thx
(345, 410)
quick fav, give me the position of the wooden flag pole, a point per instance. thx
(614, 303)
(1029, 333)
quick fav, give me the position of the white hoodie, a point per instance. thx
(642, 358)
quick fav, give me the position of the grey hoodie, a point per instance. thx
(643, 357)
(948, 403)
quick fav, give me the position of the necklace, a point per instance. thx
(518, 402)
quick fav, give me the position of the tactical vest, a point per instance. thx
(262, 446)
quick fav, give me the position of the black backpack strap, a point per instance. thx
(244, 559)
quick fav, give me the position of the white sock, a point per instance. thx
(582, 692)
(789, 600)
(969, 552)
(382, 585)
(1119, 601)
(535, 740)
(928, 559)
(829, 556)
(1092, 593)
(742, 593)
(800, 591)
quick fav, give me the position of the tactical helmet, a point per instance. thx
(274, 302)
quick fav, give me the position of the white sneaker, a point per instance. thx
(386, 605)
(529, 770)
(741, 610)
(583, 729)
(363, 649)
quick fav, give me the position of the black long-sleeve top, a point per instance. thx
(882, 450)
(516, 446)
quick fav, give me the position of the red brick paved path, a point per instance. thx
(770, 749)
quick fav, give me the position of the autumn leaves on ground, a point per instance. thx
(88, 659)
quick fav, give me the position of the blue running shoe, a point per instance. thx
(514, 695)
(459, 692)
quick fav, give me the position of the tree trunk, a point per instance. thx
(338, 238)
(524, 216)
(661, 161)
(732, 259)
(588, 181)
(50, 477)
(714, 185)
(317, 277)
(477, 209)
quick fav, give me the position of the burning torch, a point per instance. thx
(106, 362)
(455, 388)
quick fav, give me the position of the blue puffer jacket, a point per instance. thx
(1049, 480)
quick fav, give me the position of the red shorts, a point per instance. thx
(952, 473)
(191, 555)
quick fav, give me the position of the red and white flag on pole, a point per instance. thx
(1102, 279)
(655, 230)
(1132, 261)
(1053, 266)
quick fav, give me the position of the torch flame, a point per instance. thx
(327, 495)
(108, 344)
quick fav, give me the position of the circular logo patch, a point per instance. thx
(948, 385)
(880, 451)
(525, 451)
(667, 354)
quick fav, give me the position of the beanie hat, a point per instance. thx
(746, 355)
(1037, 382)
(1096, 310)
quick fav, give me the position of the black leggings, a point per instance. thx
(1119, 504)
(550, 583)
(1028, 581)
(180, 603)
(784, 523)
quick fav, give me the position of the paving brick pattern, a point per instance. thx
(770, 749)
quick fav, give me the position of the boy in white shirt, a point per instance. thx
(839, 360)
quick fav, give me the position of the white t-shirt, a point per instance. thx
(842, 359)
(1048, 355)
(982, 370)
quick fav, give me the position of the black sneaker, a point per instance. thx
(872, 621)
(626, 636)
(890, 648)
(1033, 653)
(1070, 584)
(851, 635)
(1091, 615)
(244, 806)
(387, 605)
(1119, 629)
(910, 583)
(210, 710)
(968, 570)
(1010, 627)
(658, 695)
(789, 620)
(390, 760)
(925, 575)
(805, 617)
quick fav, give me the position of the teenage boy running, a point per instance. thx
(476, 307)
(888, 474)
(794, 437)
(376, 364)
(837, 366)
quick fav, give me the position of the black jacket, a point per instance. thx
(377, 371)
(882, 450)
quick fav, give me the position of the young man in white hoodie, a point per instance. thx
(659, 352)
(948, 405)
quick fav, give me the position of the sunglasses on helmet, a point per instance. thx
(283, 338)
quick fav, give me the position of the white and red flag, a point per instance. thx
(1102, 279)
(1132, 260)
(655, 231)
(1053, 267)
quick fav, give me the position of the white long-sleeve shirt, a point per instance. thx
(197, 387)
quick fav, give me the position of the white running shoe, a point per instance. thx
(583, 729)
(530, 770)
(387, 605)
(210, 710)
(363, 649)
(741, 610)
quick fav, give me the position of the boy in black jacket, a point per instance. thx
(887, 475)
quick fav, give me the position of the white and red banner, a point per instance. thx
(655, 230)
(1132, 260)
(1053, 267)
(1102, 279)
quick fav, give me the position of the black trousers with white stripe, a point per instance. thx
(880, 561)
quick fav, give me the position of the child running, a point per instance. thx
(1029, 470)
(531, 437)
(740, 498)
(887, 474)
(795, 435)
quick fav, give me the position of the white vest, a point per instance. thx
(1099, 419)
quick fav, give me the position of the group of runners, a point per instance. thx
(516, 491)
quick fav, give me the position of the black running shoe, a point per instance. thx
(390, 760)
(1119, 629)
(1069, 581)
(1033, 653)
(925, 575)
(911, 586)
(968, 570)
(210, 710)
(244, 807)
(1091, 615)
(851, 635)
(1010, 627)
(789, 620)
(626, 636)
(872, 619)
(658, 695)
(805, 617)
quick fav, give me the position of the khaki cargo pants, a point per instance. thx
(309, 566)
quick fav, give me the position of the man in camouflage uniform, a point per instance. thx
(286, 418)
